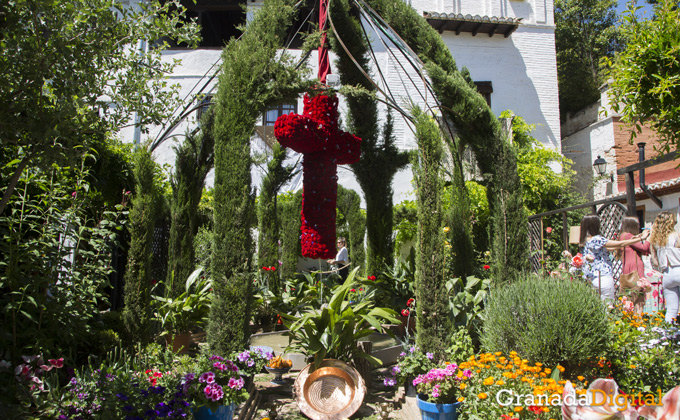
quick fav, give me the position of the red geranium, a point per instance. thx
(315, 134)
(405, 312)
(548, 230)
(372, 278)
(410, 302)
(487, 266)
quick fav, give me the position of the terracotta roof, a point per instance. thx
(457, 22)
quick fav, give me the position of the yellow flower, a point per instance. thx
(447, 229)
(580, 378)
(461, 399)
(500, 382)
(462, 385)
(518, 409)
(560, 368)
(482, 396)
(632, 366)
(488, 381)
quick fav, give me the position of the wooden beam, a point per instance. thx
(649, 162)
(630, 193)
(477, 28)
(493, 30)
(459, 28)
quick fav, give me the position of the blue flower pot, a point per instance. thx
(223, 412)
(431, 411)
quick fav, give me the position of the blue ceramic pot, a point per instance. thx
(223, 412)
(431, 411)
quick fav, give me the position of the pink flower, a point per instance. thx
(217, 393)
(236, 383)
(74, 194)
(57, 363)
(548, 230)
(207, 377)
(668, 408)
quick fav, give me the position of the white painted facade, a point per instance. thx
(522, 69)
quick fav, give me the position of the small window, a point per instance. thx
(485, 89)
(275, 112)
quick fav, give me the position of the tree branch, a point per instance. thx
(13, 182)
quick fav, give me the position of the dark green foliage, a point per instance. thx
(143, 216)
(194, 159)
(290, 208)
(475, 125)
(253, 75)
(458, 219)
(433, 323)
(380, 158)
(348, 204)
(56, 259)
(267, 213)
(585, 32)
(547, 319)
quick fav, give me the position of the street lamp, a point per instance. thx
(600, 165)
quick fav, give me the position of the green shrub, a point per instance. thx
(547, 320)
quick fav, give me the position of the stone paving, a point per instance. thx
(281, 397)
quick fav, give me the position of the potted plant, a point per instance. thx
(180, 315)
(213, 387)
(412, 363)
(438, 392)
(335, 330)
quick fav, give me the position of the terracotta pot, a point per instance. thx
(180, 342)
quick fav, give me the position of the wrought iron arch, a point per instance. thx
(611, 216)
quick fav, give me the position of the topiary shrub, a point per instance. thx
(547, 320)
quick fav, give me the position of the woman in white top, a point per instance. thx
(341, 260)
(666, 256)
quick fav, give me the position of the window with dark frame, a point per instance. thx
(485, 89)
(275, 112)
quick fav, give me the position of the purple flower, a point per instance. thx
(216, 357)
(242, 357)
(435, 391)
(429, 355)
(395, 370)
(412, 350)
(402, 354)
(467, 373)
(207, 377)
(122, 397)
(189, 377)
(389, 381)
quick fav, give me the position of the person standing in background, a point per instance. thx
(632, 261)
(666, 259)
(341, 261)
(597, 266)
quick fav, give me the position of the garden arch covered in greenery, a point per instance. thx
(255, 74)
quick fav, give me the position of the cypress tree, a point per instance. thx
(194, 159)
(380, 158)
(267, 213)
(291, 250)
(349, 204)
(254, 74)
(142, 220)
(477, 126)
(433, 323)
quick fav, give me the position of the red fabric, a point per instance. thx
(324, 64)
(631, 258)
(315, 134)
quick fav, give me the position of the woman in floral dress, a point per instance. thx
(597, 264)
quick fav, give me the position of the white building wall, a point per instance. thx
(522, 69)
(583, 147)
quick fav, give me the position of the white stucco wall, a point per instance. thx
(583, 147)
(522, 70)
